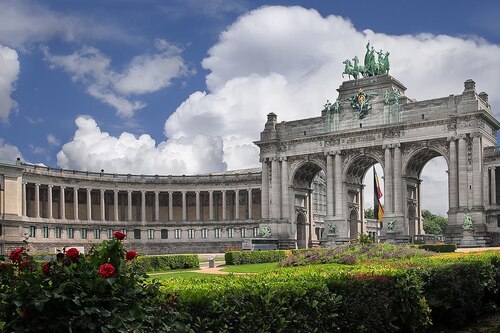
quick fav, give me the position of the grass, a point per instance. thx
(183, 275)
(250, 268)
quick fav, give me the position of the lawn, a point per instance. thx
(250, 268)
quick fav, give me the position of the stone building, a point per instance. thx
(308, 191)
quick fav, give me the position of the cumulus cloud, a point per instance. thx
(8, 153)
(145, 74)
(9, 72)
(92, 149)
(27, 21)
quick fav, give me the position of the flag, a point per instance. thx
(378, 209)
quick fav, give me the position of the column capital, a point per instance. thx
(143, 192)
(157, 192)
(62, 187)
(129, 191)
(462, 136)
(397, 145)
(337, 152)
(475, 135)
(197, 191)
(210, 191)
(283, 158)
(386, 146)
(451, 138)
(37, 184)
(50, 185)
(223, 191)
(102, 190)
(249, 189)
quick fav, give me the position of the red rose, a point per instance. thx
(23, 264)
(46, 268)
(119, 235)
(72, 254)
(16, 254)
(131, 255)
(107, 270)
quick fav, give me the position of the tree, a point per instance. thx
(433, 224)
(369, 214)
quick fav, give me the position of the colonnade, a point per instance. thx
(218, 208)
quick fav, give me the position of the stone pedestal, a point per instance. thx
(330, 241)
(468, 239)
(390, 237)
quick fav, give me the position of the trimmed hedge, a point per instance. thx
(254, 257)
(305, 300)
(440, 248)
(167, 262)
(391, 296)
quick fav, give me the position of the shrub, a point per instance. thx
(167, 262)
(441, 248)
(303, 300)
(254, 257)
(75, 293)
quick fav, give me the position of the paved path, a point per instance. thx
(476, 249)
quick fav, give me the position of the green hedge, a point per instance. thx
(167, 262)
(441, 248)
(254, 257)
(448, 290)
(304, 300)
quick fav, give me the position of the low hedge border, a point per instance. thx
(167, 262)
(440, 248)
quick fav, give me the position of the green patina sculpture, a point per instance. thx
(391, 225)
(265, 231)
(371, 65)
(386, 97)
(395, 96)
(332, 229)
(362, 102)
(468, 222)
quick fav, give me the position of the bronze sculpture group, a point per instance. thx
(371, 66)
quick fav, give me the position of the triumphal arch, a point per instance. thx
(372, 120)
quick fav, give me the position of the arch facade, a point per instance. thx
(401, 134)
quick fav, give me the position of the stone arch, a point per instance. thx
(303, 173)
(358, 164)
(412, 165)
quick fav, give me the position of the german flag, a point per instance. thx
(378, 209)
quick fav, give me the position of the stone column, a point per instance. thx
(129, 205)
(170, 205)
(462, 172)
(49, 201)
(275, 189)
(197, 205)
(62, 204)
(453, 175)
(37, 200)
(285, 200)
(398, 188)
(265, 190)
(75, 202)
(24, 200)
(157, 206)
(236, 204)
(103, 205)
(115, 204)
(250, 203)
(338, 185)
(224, 204)
(210, 205)
(493, 186)
(184, 205)
(388, 188)
(143, 206)
(89, 204)
(329, 187)
(477, 168)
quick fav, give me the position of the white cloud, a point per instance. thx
(9, 72)
(8, 153)
(287, 61)
(93, 150)
(27, 21)
(53, 140)
(145, 74)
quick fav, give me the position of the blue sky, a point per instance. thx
(183, 86)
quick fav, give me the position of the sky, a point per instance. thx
(184, 86)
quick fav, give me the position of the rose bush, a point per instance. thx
(101, 291)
